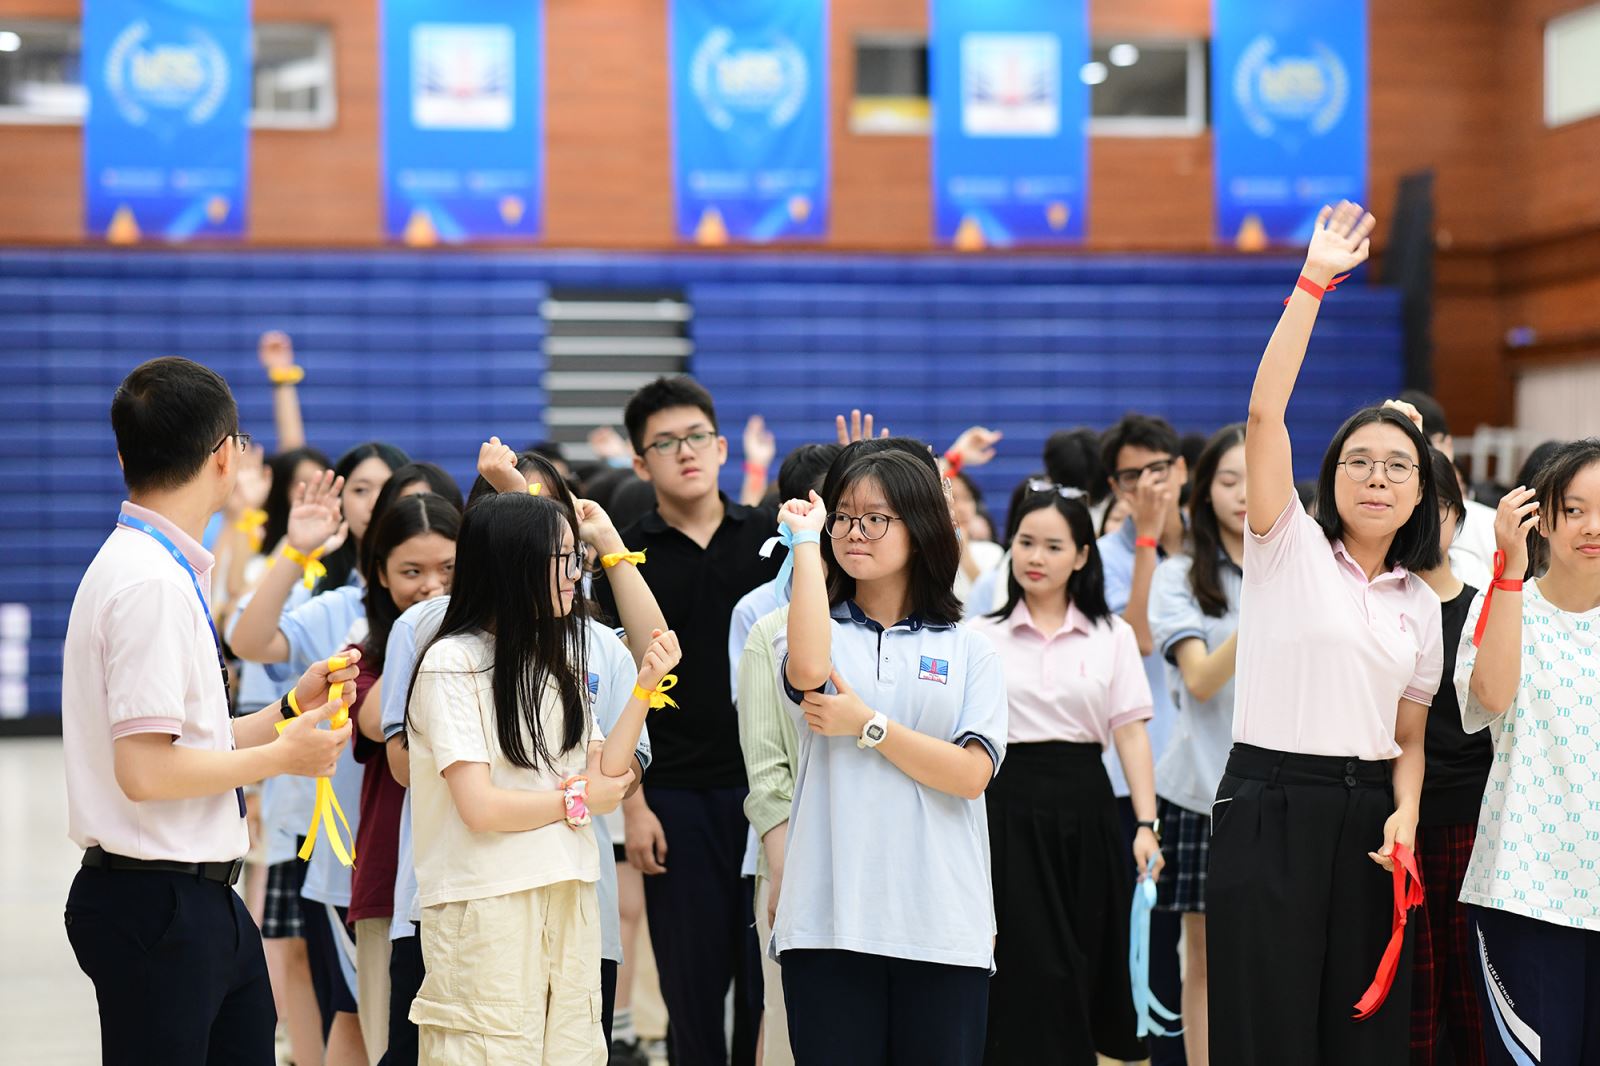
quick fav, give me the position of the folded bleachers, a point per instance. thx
(434, 351)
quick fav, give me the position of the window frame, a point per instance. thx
(1192, 124)
(1553, 121)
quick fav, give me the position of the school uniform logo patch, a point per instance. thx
(934, 670)
(594, 687)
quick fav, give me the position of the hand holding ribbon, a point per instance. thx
(1408, 893)
(327, 814)
(1146, 1007)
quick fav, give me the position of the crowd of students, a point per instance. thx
(882, 777)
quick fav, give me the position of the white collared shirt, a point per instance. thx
(140, 658)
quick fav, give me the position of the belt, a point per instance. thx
(227, 873)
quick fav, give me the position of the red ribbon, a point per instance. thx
(1499, 582)
(1317, 291)
(1407, 894)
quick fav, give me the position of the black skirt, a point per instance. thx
(1062, 891)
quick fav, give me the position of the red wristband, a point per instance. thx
(1146, 542)
(1316, 291)
(755, 470)
(952, 463)
(1504, 584)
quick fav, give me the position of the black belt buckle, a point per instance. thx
(235, 870)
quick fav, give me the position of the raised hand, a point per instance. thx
(1340, 241)
(1152, 502)
(857, 428)
(315, 514)
(275, 350)
(1518, 512)
(498, 465)
(659, 659)
(607, 444)
(1409, 410)
(595, 527)
(760, 447)
(976, 445)
(804, 515)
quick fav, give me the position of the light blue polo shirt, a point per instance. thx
(612, 675)
(1197, 751)
(1116, 559)
(877, 863)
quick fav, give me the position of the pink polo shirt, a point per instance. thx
(1325, 656)
(1077, 684)
(139, 658)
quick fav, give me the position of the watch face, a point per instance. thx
(875, 732)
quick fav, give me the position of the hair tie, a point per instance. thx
(536, 488)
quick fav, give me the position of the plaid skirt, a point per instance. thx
(281, 918)
(1186, 845)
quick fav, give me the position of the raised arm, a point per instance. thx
(276, 351)
(637, 609)
(312, 521)
(810, 630)
(759, 451)
(1340, 241)
(1497, 670)
(617, 754)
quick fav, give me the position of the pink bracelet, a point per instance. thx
(574, 792)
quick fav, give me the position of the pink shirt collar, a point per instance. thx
(192, 550)
(1398, 573)
(1021, 618)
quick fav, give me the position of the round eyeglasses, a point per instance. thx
(1397, 470)
(873, 525)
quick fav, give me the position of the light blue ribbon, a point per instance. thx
(1145, 1004)
(789, 539)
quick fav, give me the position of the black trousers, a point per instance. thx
(702, 926)
(1298, 916)
(849, 1009)
(405, 977)
(177, 967)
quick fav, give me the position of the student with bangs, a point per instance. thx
(1339, 656)
(1526, 674)
(506, 765)
(1075, 679)
(885, 925)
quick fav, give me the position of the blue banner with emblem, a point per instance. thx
(749, 119)
(1289, 110)
(463, 120)
(1010, 120)
(166, 138)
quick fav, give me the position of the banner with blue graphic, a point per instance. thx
(1010, 113)
(463, 119)
(166, 140)
(749, 119)
(1289, 107)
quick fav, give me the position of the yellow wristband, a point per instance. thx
(286, 375)
(657, 697)
(608, 561)
(294, 705)
(310, 563)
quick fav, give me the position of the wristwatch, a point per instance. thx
(874, 731)
(1154, 826)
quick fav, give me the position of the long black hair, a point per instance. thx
(1415, 545)
(1086, 587)
(502, 588)
(283, 467)
(345, 559)
(1448, 484)
(912, 489)
(408, 517)
(1205, 569)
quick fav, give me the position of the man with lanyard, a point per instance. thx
(155, 767)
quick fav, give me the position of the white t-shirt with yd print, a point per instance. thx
(1537, 853)
(452, 720)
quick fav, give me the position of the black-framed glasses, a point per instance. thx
(242, 438)
(1397, 470)
(1066, 492)
(671, 445)
(873, 525)
(1128, 480)
(571, 562)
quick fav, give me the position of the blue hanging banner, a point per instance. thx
(1010, 114)
(166, 140)
(749, 119)
(463, 120)
(1289, 110)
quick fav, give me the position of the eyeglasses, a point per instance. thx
(1359, 467)
(696, 441)
(1066, 492)
(242, 438)
(572, 563)
(1128, 480)
(873, 525)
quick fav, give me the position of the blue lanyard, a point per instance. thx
(205, 608)
(1149, 1012)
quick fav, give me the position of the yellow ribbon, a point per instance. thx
(657, 697)
(311, 563)
(251, 524)
(536, 488)
(327, 814)
(608, 561)
(286, 375)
